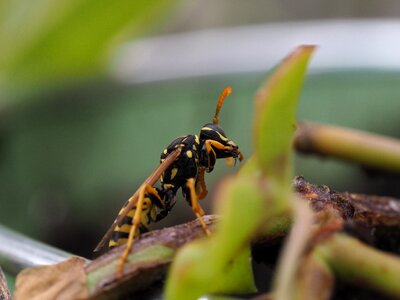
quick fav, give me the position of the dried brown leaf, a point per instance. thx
(66, 280)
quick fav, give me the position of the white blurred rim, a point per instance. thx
(343, 44)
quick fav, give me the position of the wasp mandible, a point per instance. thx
(182, 166)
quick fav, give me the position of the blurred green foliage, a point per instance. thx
(48, 50)
(52, 42)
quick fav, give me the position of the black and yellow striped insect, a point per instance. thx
(182, 166)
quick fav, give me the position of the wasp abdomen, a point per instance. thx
(149, 215)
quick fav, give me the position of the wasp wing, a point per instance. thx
(151, 180)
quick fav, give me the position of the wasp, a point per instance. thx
(183, 165)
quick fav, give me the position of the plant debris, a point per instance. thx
(65, 280)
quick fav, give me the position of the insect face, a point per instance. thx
(216, 145)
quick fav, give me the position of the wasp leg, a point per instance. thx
(151, 202)
(198, 211)
(136, 222)
(211, 143)
(217, 145)
(121, 232)
(201, 184)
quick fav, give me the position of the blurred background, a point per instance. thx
(91, 92)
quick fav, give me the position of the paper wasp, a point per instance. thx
(182, 165)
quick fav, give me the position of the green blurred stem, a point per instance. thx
(367, 149)
(289, 262)
(315, 279)
(358, 263)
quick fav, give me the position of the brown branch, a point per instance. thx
(147, 264)
(366, 210)
(173, 237)
(141, 273)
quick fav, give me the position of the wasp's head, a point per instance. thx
(215, 144)
(214, 141)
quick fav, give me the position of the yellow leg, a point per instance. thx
(220, 146)
(217, 145)
(135, 225)
(210, 144)
(198, 211)
(201, 184)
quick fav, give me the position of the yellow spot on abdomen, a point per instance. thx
(122, 241)
(112, 243)
(125, 228)
(168, 186)
(131, 213)
(173, 173)
(189, 154)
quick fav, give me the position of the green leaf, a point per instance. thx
(243, 206)
(238, 275)
(221, 263)
(276, 104)
(193, 274)
(190, 274)
(45, 41)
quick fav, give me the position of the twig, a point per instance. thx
(295, 247)
(315, 279)
(366, 210)
(148, 262)
(367, 149)
(356, 262)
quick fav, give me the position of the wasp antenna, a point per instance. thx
(225, 93)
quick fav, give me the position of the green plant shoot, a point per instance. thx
(251, 201)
